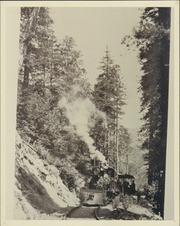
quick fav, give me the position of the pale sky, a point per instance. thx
(95, 28)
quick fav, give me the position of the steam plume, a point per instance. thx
(79, 111)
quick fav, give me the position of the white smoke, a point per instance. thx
(79, 111)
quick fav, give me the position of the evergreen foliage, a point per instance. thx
(152, 38)
(109, 98)
(48, 70)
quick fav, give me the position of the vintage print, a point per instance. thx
(92, 107)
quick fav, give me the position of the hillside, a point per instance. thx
(39, 191)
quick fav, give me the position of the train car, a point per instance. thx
(105, 185)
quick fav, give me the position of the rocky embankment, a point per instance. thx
(39, 191)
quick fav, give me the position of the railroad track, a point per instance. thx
(83, 212)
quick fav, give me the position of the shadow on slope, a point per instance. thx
(35, 193)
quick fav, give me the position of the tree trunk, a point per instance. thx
(26, 76)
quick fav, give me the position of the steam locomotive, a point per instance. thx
(105, 184)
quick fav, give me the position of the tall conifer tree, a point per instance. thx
(109, 98)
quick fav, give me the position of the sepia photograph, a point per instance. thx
(91, 113)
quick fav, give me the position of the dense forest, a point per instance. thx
(152, 39)
(70, 123)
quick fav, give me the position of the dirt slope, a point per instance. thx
(39, 191)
